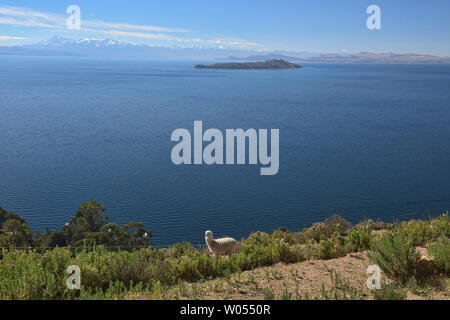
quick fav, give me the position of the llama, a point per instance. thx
(220, 246)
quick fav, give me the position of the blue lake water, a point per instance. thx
(358, 140)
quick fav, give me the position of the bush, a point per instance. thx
(179, 250)
(374, 225)
(253, 257)
(282, 252)
(419, 231)
(331, 248)
(390, 292)
(14, 230)
(441, 254)
(396, 255)
(27, 275)
(360, 238)
(258, 238)
(441, 225)
(423, 231)
(331, 225)
(283, 234)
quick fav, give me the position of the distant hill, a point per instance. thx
(362, 57)
(263, 57)
(268, 65)
(380, 58)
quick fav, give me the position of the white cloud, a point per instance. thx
(154, 36)
(12, 38)
(26, 23)
(17, 16)
(28, 13)
(126, 26)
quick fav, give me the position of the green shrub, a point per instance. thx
(14, 230)
(419, 231)
(101, 267)
(374, 225)
(396, 255)
(27, 275)
(250, 258)
(391, 291)
(441, 254)
(287, 254)
(331, 225)
(283, 234)
(360, 238)
(331, 248)
(30, 275)
(187, 269)
(179, 250)
(281, 252)
(258, 238)
(423, 231)
(441, 225)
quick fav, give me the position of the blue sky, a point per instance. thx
(314, 25)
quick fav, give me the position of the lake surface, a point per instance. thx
(362, 141)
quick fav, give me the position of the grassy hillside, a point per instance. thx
(138, 271)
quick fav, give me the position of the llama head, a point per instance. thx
(208, 235)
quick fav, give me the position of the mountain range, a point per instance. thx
(362, 57)
(92, 47)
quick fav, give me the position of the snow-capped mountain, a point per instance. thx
(114, 48)
(63, 43)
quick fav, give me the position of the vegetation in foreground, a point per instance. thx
(119, 262)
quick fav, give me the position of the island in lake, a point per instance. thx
(270, 65)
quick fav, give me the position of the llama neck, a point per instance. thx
(211, 242)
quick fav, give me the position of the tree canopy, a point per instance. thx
(89, 227)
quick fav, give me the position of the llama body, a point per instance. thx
(220, 246)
